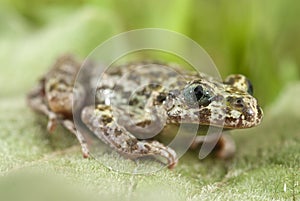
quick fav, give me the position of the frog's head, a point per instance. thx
(209, 102)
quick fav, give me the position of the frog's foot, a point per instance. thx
(158, 149)
(35, 101)
(225, 148)
(103, 124)
(224, 145)
(52, 122)
(71, 127)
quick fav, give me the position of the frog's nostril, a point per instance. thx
(239, 103)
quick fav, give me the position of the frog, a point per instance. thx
(135, 101)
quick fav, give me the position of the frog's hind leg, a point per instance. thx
(35, 100)
(103, 124)
(224, 145)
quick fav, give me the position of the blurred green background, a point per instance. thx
(258, 38)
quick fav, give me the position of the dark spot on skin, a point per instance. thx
(147, 147)
(143, 123)
(259, 113)
(233, 79)
(63, 82)
(106, 119)
(230, 120)
(52, 87)
(144, 92)
(103, 107)
(161, 97)
(154, 86)
(227, 110)
(117, 132)
(102, 87)
(240, 123)
(115, 71)
(205, 114)
(229, 99)
(174, 119)
(133, 101)
(132, 143)
(105, 132)
(230, 81)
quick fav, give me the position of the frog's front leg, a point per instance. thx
(71, 127)
(224, 145)
(36, 101)
(102, 122)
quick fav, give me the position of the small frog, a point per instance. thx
(135, 101)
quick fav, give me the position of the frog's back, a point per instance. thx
(138, 81)
(132, 76)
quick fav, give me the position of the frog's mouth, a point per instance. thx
(234, 119)
(247, 119)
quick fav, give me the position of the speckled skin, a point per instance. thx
(136, 101)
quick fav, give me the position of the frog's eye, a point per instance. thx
(196, 95)
(198, 91)
(241, 82)
(250, 87)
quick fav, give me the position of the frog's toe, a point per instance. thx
(52, 123)
(71, 127)
(158, 149)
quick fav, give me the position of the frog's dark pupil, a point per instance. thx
(198, 91)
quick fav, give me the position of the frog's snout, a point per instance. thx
(253, 115)
(260, 113)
